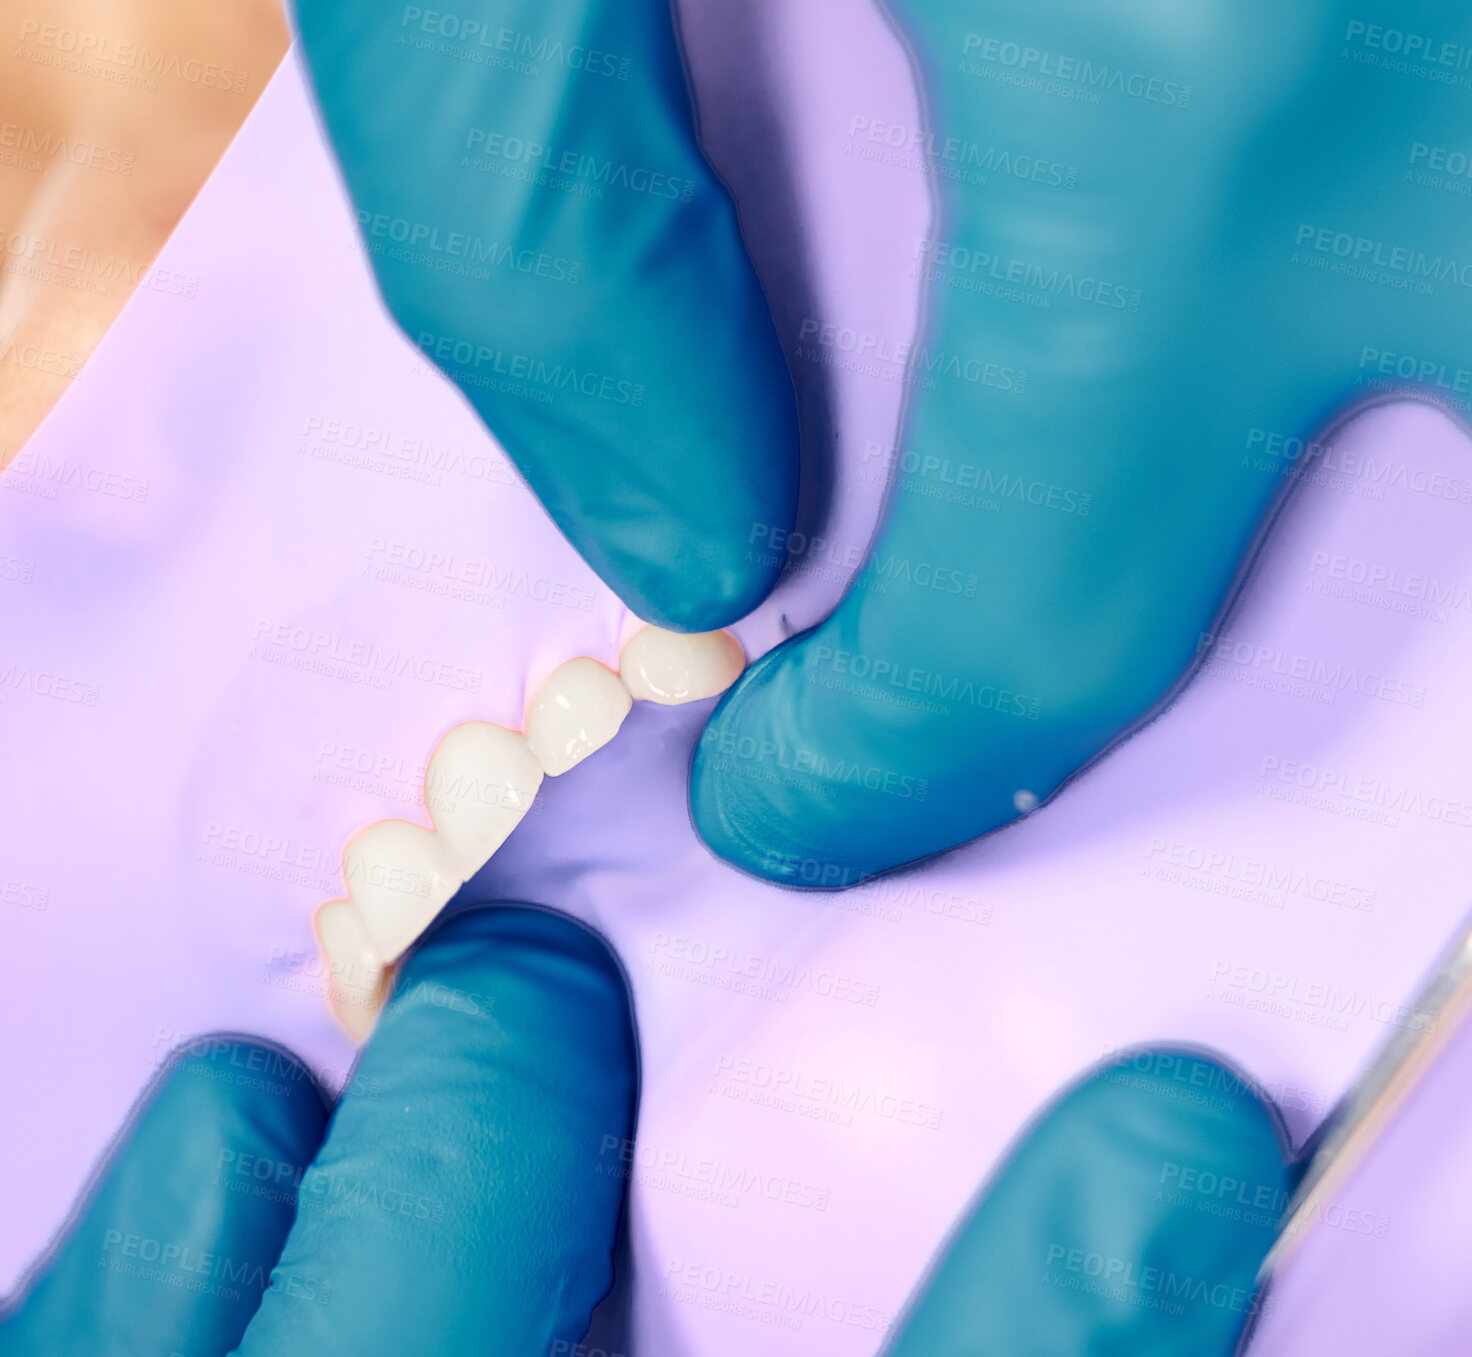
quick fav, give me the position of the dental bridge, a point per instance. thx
(479, 784)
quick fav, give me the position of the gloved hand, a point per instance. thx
(1129, 1221)
(628, 548)
(465, 1205)
(459, 1208)
(544, 227)
(1204, 237)
(1165, 255)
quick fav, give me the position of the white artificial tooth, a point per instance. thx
(480, 782)
(671, 667)
(356, 979)
(577, 710)
(399, 877)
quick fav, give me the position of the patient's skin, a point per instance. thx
(100, 154)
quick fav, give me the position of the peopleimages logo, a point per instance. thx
(76, 50)
(1283, 994)
(895, 673)
(865, 346)
(816, 764)
(1072, 70)
(1258, 873)
(1159, 1288)
(1413, 46)
(173, 1263)
(44, 253)
(53, 146)
(1223, 1187)
(535, 375)
(578, 165)
(1219, 652)
(330, 648)
(941, 258)
(731, 1179)
(513, 42)
(915, 472)
(1367, 792)
(1392, 580)
(1364, 251)
(729, 959)
(459, 251)
(825, 1091)
(1441, 159)
(950, 155)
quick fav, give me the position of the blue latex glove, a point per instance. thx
(1129, 1221)
(1200, 238)
(458, 1209)
(169, 1252)
(1219, 246)
(1186, 311)
(542, 223)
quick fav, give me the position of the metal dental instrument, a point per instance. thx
(1371, 1103)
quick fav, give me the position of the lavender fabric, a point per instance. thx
(260, 558)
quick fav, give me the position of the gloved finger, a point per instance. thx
(1052, 566)
(1129, 1221)
(463, 1211)
(178, 1237)
(530, 187)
